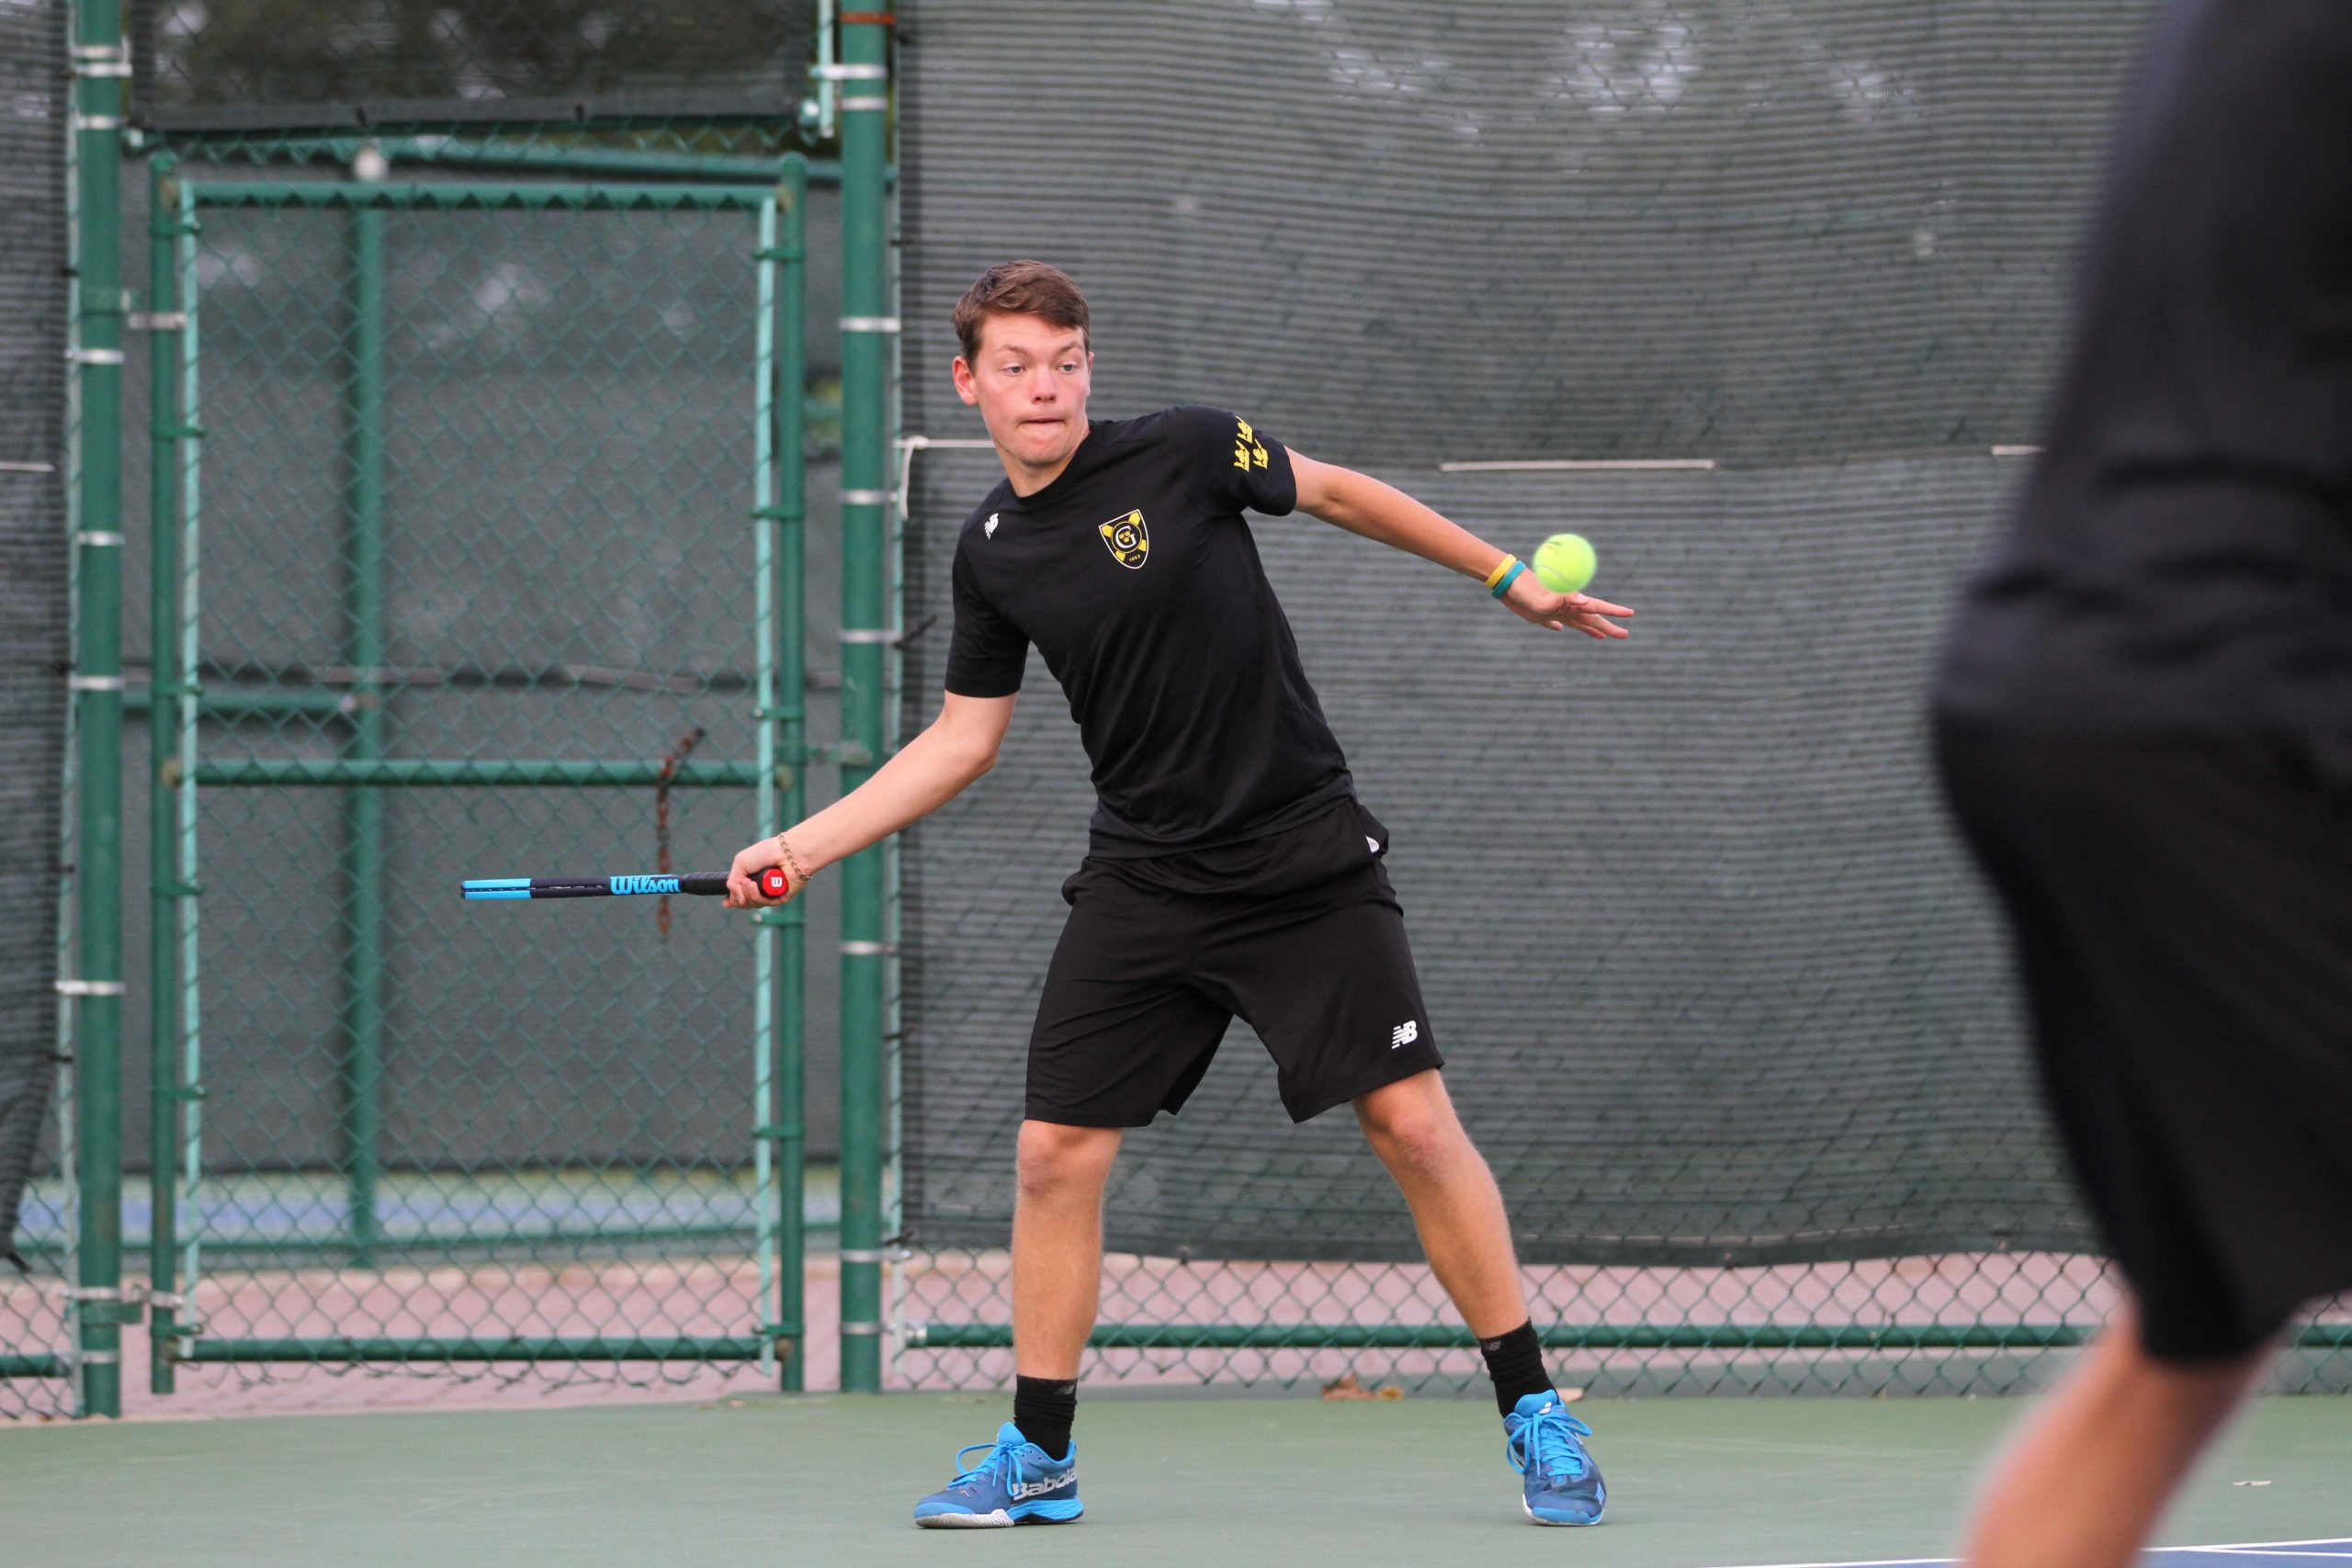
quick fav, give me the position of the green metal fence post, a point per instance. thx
(101, 65)
(767, 1241)
(363, 809)
(782, 718)
(162, 730)
(188, 1048)
(791, 719)
(865, 329)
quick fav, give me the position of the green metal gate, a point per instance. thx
(478, 551)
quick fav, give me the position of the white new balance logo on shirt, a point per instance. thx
(989, 528)
(1404, 1033)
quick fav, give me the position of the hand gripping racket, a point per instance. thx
(774, 883)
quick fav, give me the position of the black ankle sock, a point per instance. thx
(1515, 1360)
(1044, 1408)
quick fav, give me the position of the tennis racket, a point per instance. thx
(774, 883)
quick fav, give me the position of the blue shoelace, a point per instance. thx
(1003, 1465)
(1547, 1441)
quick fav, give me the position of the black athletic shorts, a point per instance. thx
(2182, 911)
(1298, 932)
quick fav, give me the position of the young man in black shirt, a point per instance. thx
(1230, 869)
(2146, 727)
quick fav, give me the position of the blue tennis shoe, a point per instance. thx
(1014, 1484)
(1563, 1486)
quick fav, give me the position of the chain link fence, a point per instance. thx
(1762, 300)
(474, 408)
(475, 491)
(461, 492)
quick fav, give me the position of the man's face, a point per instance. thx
(1029, 380)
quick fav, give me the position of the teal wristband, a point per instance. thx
(1499, 589)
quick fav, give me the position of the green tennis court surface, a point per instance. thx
(1695, 1484)
(2242, 1553)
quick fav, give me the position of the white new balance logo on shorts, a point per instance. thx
(1404, 1033)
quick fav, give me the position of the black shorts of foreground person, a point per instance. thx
(2183, 910)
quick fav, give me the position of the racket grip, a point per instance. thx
(774, 883)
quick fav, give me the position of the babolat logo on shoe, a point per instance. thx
(627, 884)
(1039, 1488)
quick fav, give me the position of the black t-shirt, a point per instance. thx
(2181, 558)
(1136, 578)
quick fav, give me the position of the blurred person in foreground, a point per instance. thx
(2145, 727)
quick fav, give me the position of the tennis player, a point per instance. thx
(1231, 870)
(2145, 727)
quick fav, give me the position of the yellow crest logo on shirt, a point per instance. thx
(1125, 537)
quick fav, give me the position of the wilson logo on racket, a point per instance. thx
(1125, 537)
(624, 886)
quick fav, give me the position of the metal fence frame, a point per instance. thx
(90, 960)
(365, 771)
(853, 81)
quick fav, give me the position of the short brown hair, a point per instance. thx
(1019, 289)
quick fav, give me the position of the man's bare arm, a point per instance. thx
(929, 771)
(1362, 505)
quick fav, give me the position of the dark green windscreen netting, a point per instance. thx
(1771, 233)
(279, 63)
(1714, 983)
(33, 612)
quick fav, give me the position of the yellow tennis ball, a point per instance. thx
(1564, 562)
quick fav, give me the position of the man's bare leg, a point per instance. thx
(1056, 1282)
(1458, 1210)
(2085, 1482)
(1058, 1243)
(1456, 1206)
